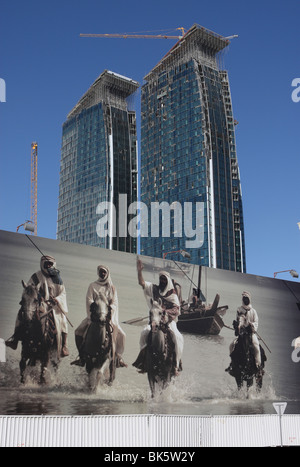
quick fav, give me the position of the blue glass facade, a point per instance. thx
(98, 161)
(83, 183)
(188, 152)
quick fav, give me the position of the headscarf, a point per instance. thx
(106, 282)
(246, 294)
(52, 271)
(107, 278)
(169, 293)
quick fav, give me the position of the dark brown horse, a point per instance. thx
(243, 366)
(37, 332)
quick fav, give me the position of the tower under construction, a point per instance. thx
(98, 161)
(188, 149)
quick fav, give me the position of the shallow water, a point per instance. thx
(203, 388)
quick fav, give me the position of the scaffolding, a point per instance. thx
(198, 43)
(109, 87)
(33, 205)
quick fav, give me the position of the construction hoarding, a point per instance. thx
(202, 388)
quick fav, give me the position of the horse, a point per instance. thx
(243, 366)
(38, 332)
(160, 350)
(97, 349)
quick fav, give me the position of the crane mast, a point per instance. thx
(33, 206)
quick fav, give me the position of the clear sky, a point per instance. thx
(47, 67)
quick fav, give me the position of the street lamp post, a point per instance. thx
(183, 253)
(28, 225)
(291, 271)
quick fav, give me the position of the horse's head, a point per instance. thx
(99, 309)
(244, 327)
(245, 332)
(157, 314)
(30, 301)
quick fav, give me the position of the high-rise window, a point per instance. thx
(98, 161)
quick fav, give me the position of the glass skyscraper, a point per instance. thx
(99, 162)
(188, 153)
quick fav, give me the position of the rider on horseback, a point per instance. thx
(247, 315)
(166, 292)
(52, 290)
(103, 286)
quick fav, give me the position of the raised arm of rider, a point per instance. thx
(140, 267)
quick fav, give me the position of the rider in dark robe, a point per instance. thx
(52, 290)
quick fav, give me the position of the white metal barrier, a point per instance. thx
(149, 431)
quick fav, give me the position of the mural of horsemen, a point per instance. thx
(141, 330)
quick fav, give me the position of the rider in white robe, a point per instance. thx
(103, 286)
(51, 288)
(167, 293)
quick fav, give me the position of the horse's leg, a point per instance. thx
(92, 376)
(104, 373)
(44, 366)
(112, 369)
(158, 368)
(249, 382)
(53, 358)
(22, 366)
(151, 380)
(259, 380)
(239, 382)
(150, 368)
(43, 372)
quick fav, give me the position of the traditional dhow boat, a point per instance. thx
(202, 319)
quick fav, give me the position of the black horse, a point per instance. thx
(243, 366)
(37, 333)
(97, 349)
(160, 350)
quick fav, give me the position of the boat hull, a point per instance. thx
(196, 323)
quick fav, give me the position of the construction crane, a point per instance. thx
(33, 205)
(137, 36)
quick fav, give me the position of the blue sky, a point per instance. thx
(47, 67)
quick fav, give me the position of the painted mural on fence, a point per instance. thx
(86, 295)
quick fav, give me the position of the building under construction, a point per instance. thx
(98, 161)
(188, 151)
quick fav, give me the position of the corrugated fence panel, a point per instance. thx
(115, 431)
(149, 431)
(245, 430)
(68, 431)
(290, 430)
(178, 431)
